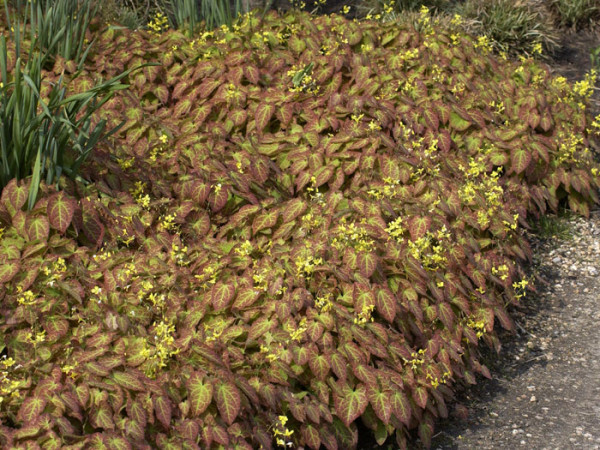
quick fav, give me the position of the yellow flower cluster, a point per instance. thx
(351, 235)
(214, 329)
(245, 249)
(484, 43)
(8, 386)
(297, 333)
(585, 87)
(388, 190)
(158, 24)
(311, 221)
(429, 249)
(520, 288)
(478, 326)
(126, 163)
(323, 303)
(36, 339)
(511, 226)
(395, 229)
(209, 275)
(159, 149)
(417, 359)
(313, 192)
(500, 271)
(306, 263)
(365, 315)
(435, 382)
(282, 434)
(568, 147)
(306, 83)
(179, 254)
(69, 369)
(27, 298)
(163, 347)
(138, 194)
(273, 352)
(168, 222)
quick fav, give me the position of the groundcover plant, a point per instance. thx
(304, 222)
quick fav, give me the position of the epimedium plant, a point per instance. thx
(323, 234)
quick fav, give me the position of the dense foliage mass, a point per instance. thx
(304, 221)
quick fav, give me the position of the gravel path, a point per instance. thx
(546, 388)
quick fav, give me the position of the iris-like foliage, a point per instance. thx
(45, 137)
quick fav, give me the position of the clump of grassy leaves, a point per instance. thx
(304, 222)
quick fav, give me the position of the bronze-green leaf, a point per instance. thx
(200, 394)
(228, 401)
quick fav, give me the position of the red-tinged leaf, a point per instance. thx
(56, 327)
(444, 141)
(162, 93)
(82, 392)
(38, 228)
(418, 227)
(301, 355)
(200, 394)
(14, 196)
(431, 119)
(503, 318)
(189, 430)
(420, 396)
(311, 436)
(426, 433)
(221, 295)
(217, 200)
(137, 412)
(163, 409)
(314, 331)
(199, 192)
(446, 315)
(200, 113)
(182, 108)
(252, 74)
(293, 209)
(60, 210)
(208, 86)
(350, 404)
(238, 117)
(246, 298)
(385, 302)
(339, 366)
(366, 263)
(296, 44)
(363, 297)
(498, 158)
(458, 123)
(228, 401)
(8, 269)
(220, 435)
(101, 417)
(266, 219)
(260, 327)
(319, 365)
(381, 403)
(180, 88)
(401, 407)
(520, 159)
(128, 381)
(264, 112)
(365, 374)
(31, 409)
(328, 438)
(118, 443)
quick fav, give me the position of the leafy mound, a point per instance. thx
(305, 221)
